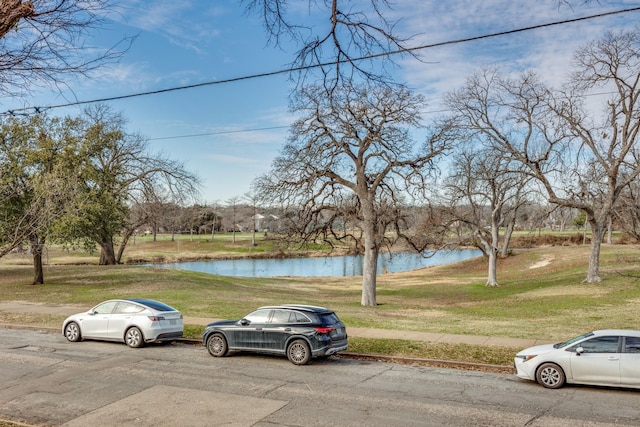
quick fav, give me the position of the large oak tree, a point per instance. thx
(118, 171)
(351, 157)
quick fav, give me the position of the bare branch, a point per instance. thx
(42, 42)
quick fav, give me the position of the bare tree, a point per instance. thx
(214, 212)
(609, 138)
(351, 156)
(561, 216)
(42, 41)
(582, 158)
(233, 204)
(485, 189)
(253, 199)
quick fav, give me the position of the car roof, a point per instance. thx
(301, 307)
(625, 332)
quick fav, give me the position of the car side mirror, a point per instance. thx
(244, 322)
(92, 312)
(579, 351)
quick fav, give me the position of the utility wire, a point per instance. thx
(217, 133)
(308, 67)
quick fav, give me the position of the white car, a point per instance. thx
(603, 358)
(133, 321)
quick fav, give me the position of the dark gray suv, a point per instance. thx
(299, 331)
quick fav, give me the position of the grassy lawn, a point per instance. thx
(541, 293)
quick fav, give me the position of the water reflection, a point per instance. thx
(322, 266)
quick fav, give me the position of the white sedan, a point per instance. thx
(603, 358)
(133, 321)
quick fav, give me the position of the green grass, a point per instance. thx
(434, 351)
(541, 294)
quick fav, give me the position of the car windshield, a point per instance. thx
(258, 316)
(573, 340)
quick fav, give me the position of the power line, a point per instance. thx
(308, 67)
(217, 133)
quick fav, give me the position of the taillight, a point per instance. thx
(155, 318)
(323, 330)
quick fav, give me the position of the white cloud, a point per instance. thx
(187, 24)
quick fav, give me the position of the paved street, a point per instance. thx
(49, 381)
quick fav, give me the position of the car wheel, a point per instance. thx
(133, 337)
(217, 345)
(299, 352)
(550, 375)
(72, 331)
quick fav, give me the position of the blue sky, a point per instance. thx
(242, 125)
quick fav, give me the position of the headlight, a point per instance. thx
(525, 357)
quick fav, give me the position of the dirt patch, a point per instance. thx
(565, 291)
(542, 263)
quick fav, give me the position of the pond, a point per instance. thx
(321, 266)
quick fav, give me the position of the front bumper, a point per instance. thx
(524, 370)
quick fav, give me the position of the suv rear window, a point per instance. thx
(329, 318)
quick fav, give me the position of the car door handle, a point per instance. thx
(613, 358)
(258, 329)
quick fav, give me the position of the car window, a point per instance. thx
(632, 345)
(127, 308)
(282, 316)
(299, 317)
(258, 316)
(600, 345)
(105, 308)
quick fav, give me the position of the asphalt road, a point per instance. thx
(45, 380)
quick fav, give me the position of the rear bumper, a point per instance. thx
(168, 336)
(332, 348)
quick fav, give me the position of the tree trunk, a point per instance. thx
(507, 238)
(492, 276)
(107, 253)
(369, 276)
(370, 263)
(597, 235)
(37, 247)
(123, 245)
(490, 249)
(492, 279)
